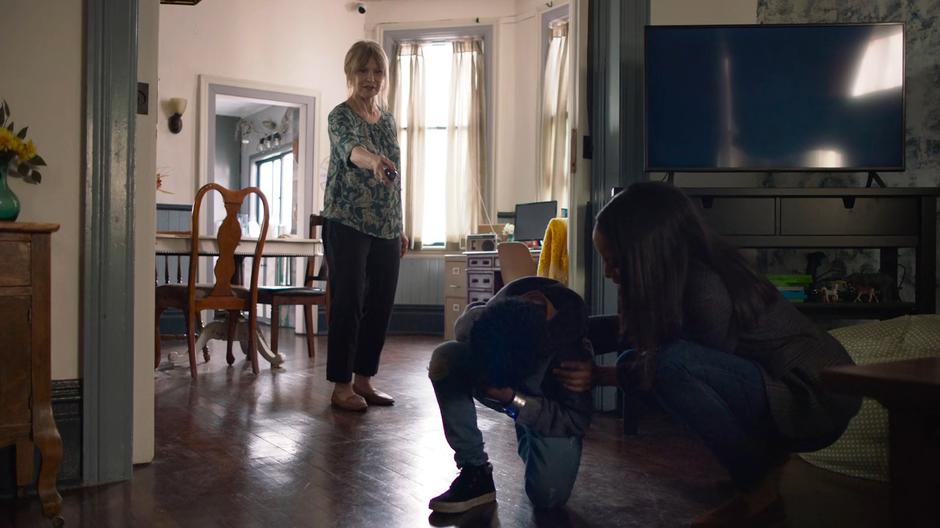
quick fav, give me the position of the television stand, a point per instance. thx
(874, 178)
(886, 219)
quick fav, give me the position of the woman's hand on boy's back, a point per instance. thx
(580, 376)
(576, 376)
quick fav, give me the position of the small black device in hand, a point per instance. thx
(391, 174)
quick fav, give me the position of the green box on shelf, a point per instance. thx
(789, 279)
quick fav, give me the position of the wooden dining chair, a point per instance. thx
(224, 293)
(515, 261)
(308, 295)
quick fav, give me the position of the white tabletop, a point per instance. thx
(178, 244)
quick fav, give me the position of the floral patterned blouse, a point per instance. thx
(353, 196)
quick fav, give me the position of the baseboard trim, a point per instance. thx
(67, 410)
(407, 319)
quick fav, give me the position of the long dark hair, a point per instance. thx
(654, 232)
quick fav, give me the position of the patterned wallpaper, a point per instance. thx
(922, 107)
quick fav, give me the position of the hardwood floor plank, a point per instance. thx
(268, 451)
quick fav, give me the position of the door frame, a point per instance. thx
(107, 244)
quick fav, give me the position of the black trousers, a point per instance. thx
(363, 275)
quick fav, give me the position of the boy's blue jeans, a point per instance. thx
(551, 463)
(721, 398)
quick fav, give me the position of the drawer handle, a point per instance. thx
(707, 202)
(848, 202)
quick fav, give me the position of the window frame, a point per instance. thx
(484, 31)
(254, 178)
(284, 270)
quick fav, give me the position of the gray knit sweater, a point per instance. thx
(789, 349)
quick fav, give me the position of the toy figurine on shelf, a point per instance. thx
(866, 294)
(885, 286)
(830, 294)
(833, 291)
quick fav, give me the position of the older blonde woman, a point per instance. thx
(363, 239)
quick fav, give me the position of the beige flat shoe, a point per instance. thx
(376, 397)
(352, 402)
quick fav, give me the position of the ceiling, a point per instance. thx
(234, 106)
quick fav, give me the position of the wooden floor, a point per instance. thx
(238, 450)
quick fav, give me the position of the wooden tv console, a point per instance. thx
(886, 219)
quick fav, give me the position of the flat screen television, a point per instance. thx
(532, 219)
(775, 98)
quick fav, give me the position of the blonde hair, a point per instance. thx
(358, 57)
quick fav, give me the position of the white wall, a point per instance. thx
(687, 12)
(223, 39)
(42, 82)
(298, 43)
(429, 12)
(518, 184)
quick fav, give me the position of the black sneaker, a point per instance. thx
(472, 487)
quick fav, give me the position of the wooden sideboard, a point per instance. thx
(26, 419)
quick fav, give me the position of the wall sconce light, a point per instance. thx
(177, 105)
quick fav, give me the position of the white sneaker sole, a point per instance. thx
(460, 507)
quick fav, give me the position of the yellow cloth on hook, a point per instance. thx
(553, 261)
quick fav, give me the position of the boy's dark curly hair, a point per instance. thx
(505, 340)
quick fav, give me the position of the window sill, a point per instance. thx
(431, 252)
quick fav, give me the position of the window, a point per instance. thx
(439, 104)
(438, 57)
(274, 175)
(555, 131)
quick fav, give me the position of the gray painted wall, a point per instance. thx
(227, 152)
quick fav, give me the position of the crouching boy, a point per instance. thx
(503, 356)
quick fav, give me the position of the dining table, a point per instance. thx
(178, 243)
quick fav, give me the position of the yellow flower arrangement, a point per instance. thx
(18, 155)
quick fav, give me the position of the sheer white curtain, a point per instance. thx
(408, 103)
(555, 143)
(466, 160)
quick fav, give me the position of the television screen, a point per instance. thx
(775, 97)
(532, 219)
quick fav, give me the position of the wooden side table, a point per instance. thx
(26, 419)
(910, 390)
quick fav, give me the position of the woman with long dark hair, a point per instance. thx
(715, 345)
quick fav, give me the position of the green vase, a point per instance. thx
(9, 203)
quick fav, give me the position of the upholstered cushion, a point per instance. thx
(266, 294)
(862, 451)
